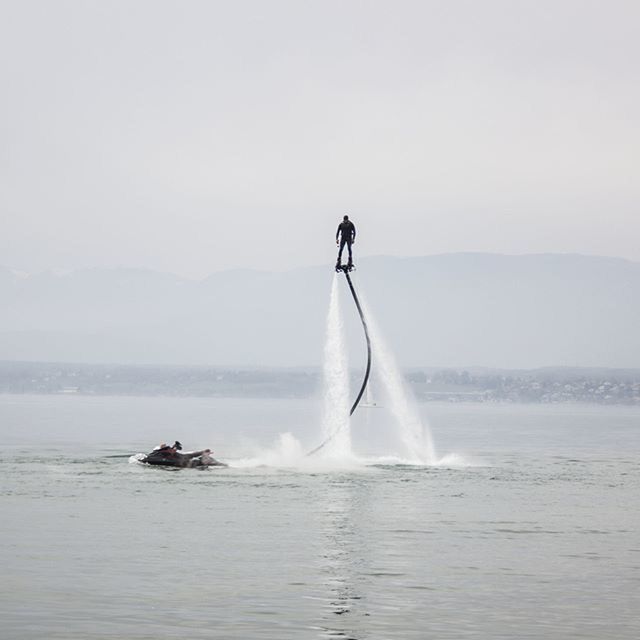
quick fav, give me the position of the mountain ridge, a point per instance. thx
(21, 274)
(451, 309)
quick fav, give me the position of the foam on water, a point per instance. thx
(456, 460)
(288, 453)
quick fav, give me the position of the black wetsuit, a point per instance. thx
(347, 233)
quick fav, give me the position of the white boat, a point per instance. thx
(369, 402)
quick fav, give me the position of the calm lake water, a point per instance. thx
(529, 526)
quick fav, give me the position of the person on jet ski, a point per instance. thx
(168, 451)
(170, 456)
(347, 235)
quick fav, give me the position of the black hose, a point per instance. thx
(366, 335)
(367, 370)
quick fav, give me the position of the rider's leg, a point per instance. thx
(343, 241)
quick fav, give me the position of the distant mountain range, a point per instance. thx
(450, 310)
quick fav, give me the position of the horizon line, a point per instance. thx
(61, 272)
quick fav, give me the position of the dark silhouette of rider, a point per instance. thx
(347, 234)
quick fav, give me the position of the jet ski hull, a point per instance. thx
(181, 460)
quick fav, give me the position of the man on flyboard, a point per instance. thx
(346, 234)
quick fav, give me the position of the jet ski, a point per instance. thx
(171, 456)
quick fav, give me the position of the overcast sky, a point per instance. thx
(193, 137)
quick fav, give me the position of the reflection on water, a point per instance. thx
(540, 541)
(344, 555)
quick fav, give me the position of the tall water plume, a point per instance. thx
(336, 382)
(415, 436)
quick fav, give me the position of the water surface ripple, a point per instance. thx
(536, 541)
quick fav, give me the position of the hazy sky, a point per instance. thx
(197, 136)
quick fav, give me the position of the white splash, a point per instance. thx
(287, 453)
(415, 436)
(335, 421)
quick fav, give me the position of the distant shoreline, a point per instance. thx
(549, 385)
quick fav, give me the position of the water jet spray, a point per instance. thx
(346, 269)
